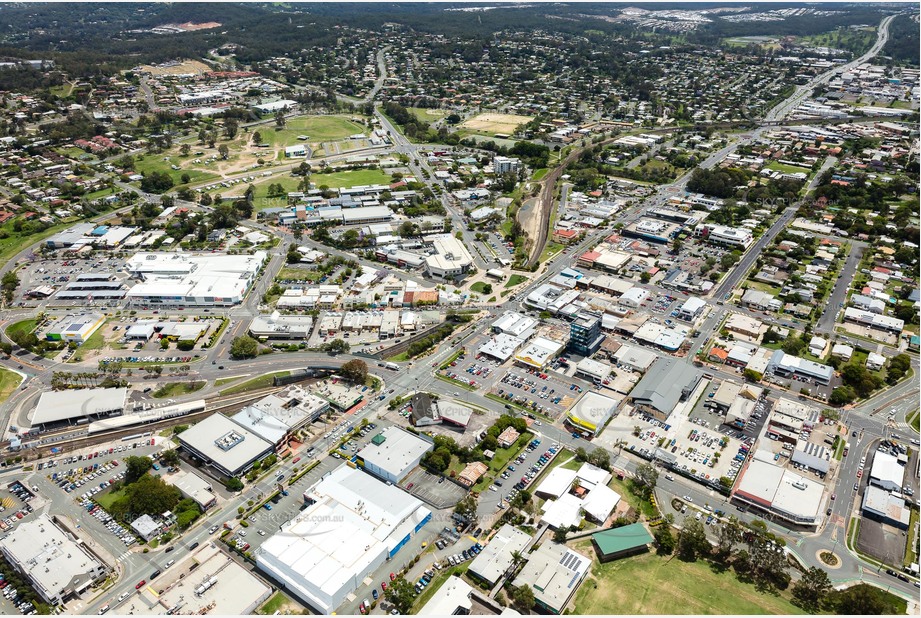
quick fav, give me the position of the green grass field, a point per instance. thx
(254, 384)
(155, 163)
(275, 602)
(651, 584)
(480, 288)
(788, 169)
(316, 128)
(540, 173)
(176, 389)
(515, 280)
(14, 242)
(23, 327)
(9, 382)
(336, 180)
(427, 114)
(551, 249)
(106, 498)
(914, 419)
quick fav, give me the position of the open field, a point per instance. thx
(652, 584)
(163, 164)
(515, 280)
(783, 168)
(194, 67)
(551, 249)
(23, 327)
(426, 114)
(316, 128)
(9, 381)
(333, 180)
(106, 498)
(495, 123)
(254, 384)
(336, 180)
(176, 389)
(14, 241)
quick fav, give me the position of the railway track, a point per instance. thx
(231, 403)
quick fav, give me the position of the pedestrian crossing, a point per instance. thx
(124, 556)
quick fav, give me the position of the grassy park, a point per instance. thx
(652, 584)
(254, 384)
(9, 381)
(316, 128)
(177, 389)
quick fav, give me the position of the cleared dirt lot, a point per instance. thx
(185, 67)
(495, 123)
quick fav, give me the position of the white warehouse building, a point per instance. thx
(179, 279)
(352, 524)
(392, 453)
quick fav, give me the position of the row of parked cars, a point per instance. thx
(111, 525)
(76, 478)
(11, 594)
(20, 491)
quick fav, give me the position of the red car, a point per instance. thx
(140, 583)
(859, 473)
(383, 585)
(392, 577)
(295, 460)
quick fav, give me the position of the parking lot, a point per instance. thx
(15, 504)
(95, 469)
(474, 370)
(56, 273)
(706, 414)
(690, 445)
(433, 489)
(504, 486)
(538, 391)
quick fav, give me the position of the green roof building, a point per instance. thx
(620, 542)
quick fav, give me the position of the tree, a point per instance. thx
(692, 541)
(185, 149)
(645, 277)
(646, 477)
(812, 589)
(355, 371)
(401, 594)
(156, 182)
(257, 138)
(136, 467)
(864, 599)
(186, 517)
(559, 535)
(665, 540)
(336, 346)
(244, 347)
(231, 126)
(727, 535)
(8, 284)
(149, 495)
(466, 507)
(171, 457)
(234, 484)
(224, 151)
(280, 119)
(523, 598)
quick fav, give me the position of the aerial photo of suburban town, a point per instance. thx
(459, 308)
